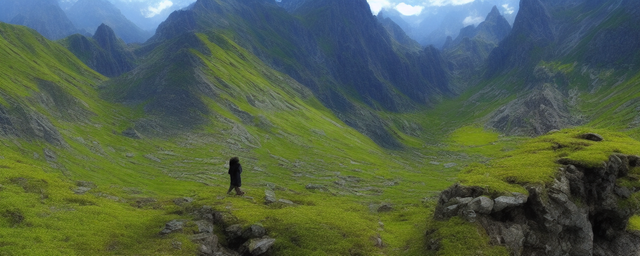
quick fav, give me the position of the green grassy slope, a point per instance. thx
(290, 141)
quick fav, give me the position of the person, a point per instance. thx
(235, 169)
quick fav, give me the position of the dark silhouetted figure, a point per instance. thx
(234, 173)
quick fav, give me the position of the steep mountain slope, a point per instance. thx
(45, 16)
(351, 69)
(102, 185)
(469, 51)
(103, 52)
(88, 15)
(43, 82)
(398, 34)
(549, 62)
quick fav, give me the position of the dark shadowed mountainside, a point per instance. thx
(103, 52)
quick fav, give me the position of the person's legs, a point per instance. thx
(231, 188)
(239, 191)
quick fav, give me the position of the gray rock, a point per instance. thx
(87, 184)
(204, 226)
(254, 231)
(49, 155)
(504, 202)
(465, 200)
(634, 161)
(173, 226)
(285, 201)
(182, 201)
(208, 243)
(449, 165)
(152, 158)
(591, 137)
(451, 210)
(385, 207)
(469, 215)
(81, 190)
(257, 246)
(481, 205)
(623, 192)
(233, 231)
(315, 187)
(129, 155)
(131, 133)
(269, 196)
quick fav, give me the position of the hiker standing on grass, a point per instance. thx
(234, 172)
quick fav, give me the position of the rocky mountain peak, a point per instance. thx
(105, 37)
(494, 14)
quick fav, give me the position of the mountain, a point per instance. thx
(88, 15)
(437, 22)
(45, 16)
(552, 54)
(55, 80)
(397, 33)
(352, 69)
(469, 51)
(104, 52)
(492, 30)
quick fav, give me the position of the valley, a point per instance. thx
(350, 134)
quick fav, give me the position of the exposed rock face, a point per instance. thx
(541, 111)
(250, 241)
(581, 213)
(469, 51)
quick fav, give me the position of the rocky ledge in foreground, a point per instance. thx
(585, 211)
(249, 241)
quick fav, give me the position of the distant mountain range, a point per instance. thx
(45, 16)
(87, 15)
(435, 23)
(84, 17)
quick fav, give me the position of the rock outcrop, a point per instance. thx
(585, 211)
(250, 241)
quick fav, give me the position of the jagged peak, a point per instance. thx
(494, 14)
(105, 36)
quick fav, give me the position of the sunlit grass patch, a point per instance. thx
(634, 223)
(537, 161)
(459, 237)
(473, 136)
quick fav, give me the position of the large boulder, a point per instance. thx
(173, 226)
(254, 231)
(504, 202)
(481, 205)
(257, 246)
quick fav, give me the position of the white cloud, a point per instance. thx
(409, 10)
(472, 20)
(448, 2)
(155, 10)
(508, 10)
(377, 5)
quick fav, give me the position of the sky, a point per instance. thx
(152, 8)
(415, 7)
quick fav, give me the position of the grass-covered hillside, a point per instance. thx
(285, 138)
(96, 166)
